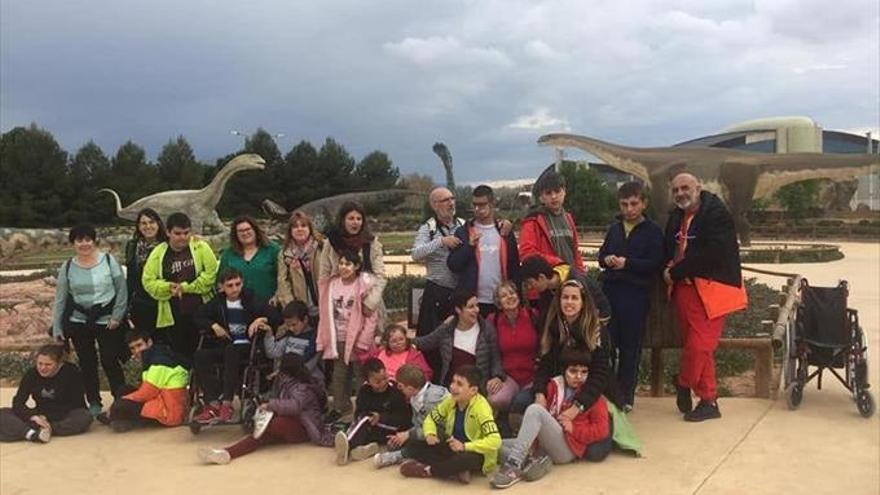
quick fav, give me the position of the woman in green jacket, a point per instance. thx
(252, 253)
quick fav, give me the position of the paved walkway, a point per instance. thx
(757, 447)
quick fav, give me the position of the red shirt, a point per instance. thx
(518, 345)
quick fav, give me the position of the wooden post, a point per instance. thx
(657, 372)
(773, 309)
(763, 371)
(404, 267)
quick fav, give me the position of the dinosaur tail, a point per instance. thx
(115, 196)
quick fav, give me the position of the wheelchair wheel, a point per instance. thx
(248, 409)
(194, 426)
(865, 403)
(794, 394)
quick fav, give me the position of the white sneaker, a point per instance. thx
(261, 421)
(214, 456)
(44, 435)
(385, 459)
(364, 451)
(340, 442)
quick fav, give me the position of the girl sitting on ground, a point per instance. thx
(397, 350)
(57, 390)
(291, 415)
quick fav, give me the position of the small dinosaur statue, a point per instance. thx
(323, 210)
(737, 176)
(198, 204)
(442, 151)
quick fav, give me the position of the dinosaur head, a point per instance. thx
(247, 161)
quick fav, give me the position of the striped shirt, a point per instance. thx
(428, 248)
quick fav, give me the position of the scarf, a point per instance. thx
(142, 250)
(302, 253)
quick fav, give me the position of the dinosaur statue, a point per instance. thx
(323, 211)
(198, 204)
(736, 176)
(442, 151)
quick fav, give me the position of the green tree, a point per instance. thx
(89, 171)
(33, 178)
(375, 171)
(587, 197)
(177, 166)
(799, 198)
(300, 175)
(132, 177)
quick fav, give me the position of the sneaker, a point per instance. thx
(261, 421)
(506, 476)
(536, 468)
(385, 459)
(332, 417)
(40, 435)
(704, 410)
(208, 414)
(464, 477)
(225, 413)
(362, 452)
(340, 443)
(95, 409)
(214, 456)
(683, 398)
(103, 418)
(627, 408)
(414, 469)
(122, 425)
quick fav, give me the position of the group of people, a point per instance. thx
(519, 359)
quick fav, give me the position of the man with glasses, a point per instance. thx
(484, 257)
(434, 240)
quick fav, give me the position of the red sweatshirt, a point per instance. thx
(518, 345)
(590, 426)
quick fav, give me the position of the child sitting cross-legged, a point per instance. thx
(423, 396)
(231, 318)
(380, 411)
(293, 411)
(564, 436)
(469, 440)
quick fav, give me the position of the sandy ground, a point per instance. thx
(757, 447)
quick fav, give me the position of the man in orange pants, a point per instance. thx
(704, 276)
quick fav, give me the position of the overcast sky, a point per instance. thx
(485, 77)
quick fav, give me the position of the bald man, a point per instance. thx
(434, 241)
(705, 280)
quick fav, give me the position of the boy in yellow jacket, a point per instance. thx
(470, 438)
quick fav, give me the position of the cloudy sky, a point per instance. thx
(485, 77)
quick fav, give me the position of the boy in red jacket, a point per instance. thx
(549, 231)
(587, 436)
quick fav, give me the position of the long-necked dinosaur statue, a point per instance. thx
(737, 176)
(198, 204)
(442, 151)
(323, 211)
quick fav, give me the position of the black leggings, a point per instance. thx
(111, 349)
(443, 461)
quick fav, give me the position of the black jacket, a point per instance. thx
(214, 311)
(643, 250)
(600, 380)
(54, 397)
(465, 262)
(712, 250)
(392, 406)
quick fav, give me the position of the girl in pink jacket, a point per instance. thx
(346, 333)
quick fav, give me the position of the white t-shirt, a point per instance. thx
(466, 340)
(489, 273)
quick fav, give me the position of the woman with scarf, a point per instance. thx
(298, 266)
(352, 232)
(148, 233)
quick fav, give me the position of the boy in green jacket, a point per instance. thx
(470, 439)
(180, 275)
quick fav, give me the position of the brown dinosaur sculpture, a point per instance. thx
(737, 176)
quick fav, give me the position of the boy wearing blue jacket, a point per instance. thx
(631, 257)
